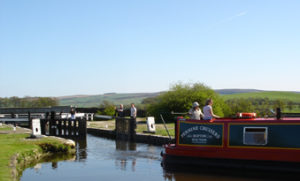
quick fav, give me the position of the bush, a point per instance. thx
(108, 108)
(180, 98)
(262, 106)
(240, 105)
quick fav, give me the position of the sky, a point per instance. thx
(71, 47)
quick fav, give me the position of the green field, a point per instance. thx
(272, 95)
(96, 100)
(137, 98)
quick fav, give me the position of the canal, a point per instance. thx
(104, 159)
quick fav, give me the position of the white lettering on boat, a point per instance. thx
(209, 130)
(201, 128)
(195, 128)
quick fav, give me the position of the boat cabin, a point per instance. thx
(242, 138)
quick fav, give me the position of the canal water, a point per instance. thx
(104, 159)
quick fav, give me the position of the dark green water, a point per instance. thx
(103, 159)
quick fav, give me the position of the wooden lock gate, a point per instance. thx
(64, 127)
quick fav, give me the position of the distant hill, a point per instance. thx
(137, 98)
(96, 100)
(272, 95)
(236, 91)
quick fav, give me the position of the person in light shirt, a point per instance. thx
(133, 111)
(195, 112)
(208, 111)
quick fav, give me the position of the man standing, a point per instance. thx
(133, 111)
(120, 111)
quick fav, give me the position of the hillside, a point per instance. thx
(236, 91)
(96, 100)
(272, 95)
(119, 98)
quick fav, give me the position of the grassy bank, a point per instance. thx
(17, 152)
(160, 129)
(6, 128)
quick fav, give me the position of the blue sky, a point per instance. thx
(67, 47)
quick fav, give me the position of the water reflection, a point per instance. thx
(223, 174)
(123, 159)
(54, 159)
(168, 176)
(37, 167)
(54, 165)
(125, 146)
(81, 145)
(80, 155)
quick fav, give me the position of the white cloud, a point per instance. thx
(227, 20)
(243, 13)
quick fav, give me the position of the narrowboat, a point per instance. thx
(243, 142)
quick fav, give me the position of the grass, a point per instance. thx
(160, 129)
(11, 144)
(272, 95)
(6, 128)
(17, 144)
(102, 124)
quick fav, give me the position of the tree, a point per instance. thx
(28, 102)
(180, 98)
(240, 105)
(290, 105)
(149, 100)
(109, 108)
(278, 103)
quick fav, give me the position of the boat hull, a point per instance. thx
(174, 162)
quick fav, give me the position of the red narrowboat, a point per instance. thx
(241, 142)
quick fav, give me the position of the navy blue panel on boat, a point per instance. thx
(197, 134)
(274, 135)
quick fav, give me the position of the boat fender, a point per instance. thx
(246, 115)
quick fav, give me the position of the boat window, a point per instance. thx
(255, 135)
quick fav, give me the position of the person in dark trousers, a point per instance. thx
(120, 111)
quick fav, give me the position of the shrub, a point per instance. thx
(108, 108)
(180, 98)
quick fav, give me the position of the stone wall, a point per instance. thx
(140, 138)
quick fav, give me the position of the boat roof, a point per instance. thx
(286, 119)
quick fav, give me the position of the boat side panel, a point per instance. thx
(279, 135)
(200, 134)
